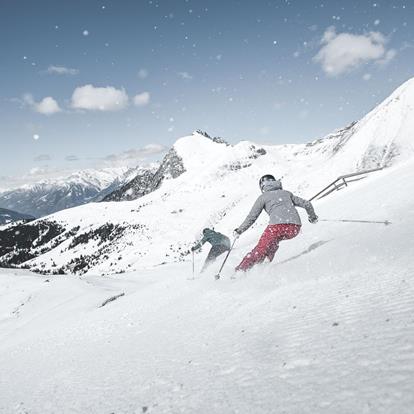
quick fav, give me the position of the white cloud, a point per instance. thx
(387, 57)
(47, 106)
(71, 158)
(28, 99)
(142, 99)
(61, 70)
(38, 171)
(99, 99)
(343, 52)
(136, 154)
(42, 157)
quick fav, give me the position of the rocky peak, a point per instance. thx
(218, 140)
(171, 167)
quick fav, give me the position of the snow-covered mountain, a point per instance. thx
(48, 196)
(129, 176)
(216, 186)
(9, 216)
(148, 179)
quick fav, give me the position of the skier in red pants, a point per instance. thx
(284, 223)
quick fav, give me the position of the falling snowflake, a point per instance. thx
(36, 137)
(142, 73)
(85, 33)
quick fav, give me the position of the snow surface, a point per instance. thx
(328, 327)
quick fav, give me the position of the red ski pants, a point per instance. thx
(268, 244)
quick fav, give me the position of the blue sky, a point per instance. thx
(103, 83)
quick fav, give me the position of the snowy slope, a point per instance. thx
(327, 328)
(383, 135)
(48, 196)
(217, 188)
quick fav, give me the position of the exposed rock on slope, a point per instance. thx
(146, 182)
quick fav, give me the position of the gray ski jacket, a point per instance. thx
(279, 204)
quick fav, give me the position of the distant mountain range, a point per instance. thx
(9, 216)
(49, 196)
(94, 185)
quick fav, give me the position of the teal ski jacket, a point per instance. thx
(214, 238)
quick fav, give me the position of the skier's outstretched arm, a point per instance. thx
(252, 216)
(307, 205)
(199, 244)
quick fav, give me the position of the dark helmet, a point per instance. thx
(265, 178)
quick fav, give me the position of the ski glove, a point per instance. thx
(193, 249)
(236, 233)
(313, 219)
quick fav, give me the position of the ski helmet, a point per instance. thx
(265, 178)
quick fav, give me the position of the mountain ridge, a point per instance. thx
(9, 216)
(50, 195)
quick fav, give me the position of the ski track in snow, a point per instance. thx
(333, 345)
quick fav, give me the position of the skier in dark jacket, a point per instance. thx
(284, 221)
(219, 244)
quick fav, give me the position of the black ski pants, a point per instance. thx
(214, 252)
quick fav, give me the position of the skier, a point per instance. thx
(219, 242)
(284, 221)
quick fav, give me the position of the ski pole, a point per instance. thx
(386, 222)
(193, 264)
(217, 276)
